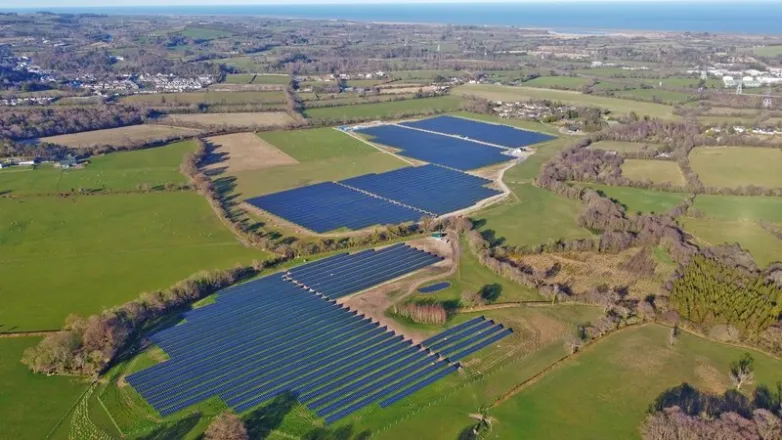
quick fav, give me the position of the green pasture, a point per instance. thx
(81, 254)
(201, 33)
(272, 79)
(386, 109)
(255, 183)
(730, 208)
(31, 404)
(508, 93)
(769, 51)
(640, 200)
(625, 147)
(658, 95)
(116, 171)
(658, 171)
(738, 166)
(566, 82)
(764, 247)
(364, 82)
(313, 100)
(690, 82)
(316, 144)
(471, 276)
(244, 64)
(605, 392)
(531, 216)
(239, 78)
(528, 170)
(210, 98)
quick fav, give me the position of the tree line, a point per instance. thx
(35, 122)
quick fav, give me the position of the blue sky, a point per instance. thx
(112, 3)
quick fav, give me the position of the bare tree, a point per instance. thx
(484, 424)
(226, 426)
(573, 344)
(742, 370)
(673, 335)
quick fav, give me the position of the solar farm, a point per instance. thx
(501, 135)
(398, 196)
(287, 334)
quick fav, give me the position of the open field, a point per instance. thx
(31, 404)
(239, 78)
(263, 119)
(566, 82)
(657, 95)
(84, 244)
(658, 171)
(509, 93)
(583, 271)
(202, 33)
(640, 200)
(316, 144)
(764, 247)
(120, 136)
(531, 216)
(528, 170)
(737, 166)
(211, 98)
(116, 171)
(604, 393)
(243, 152)
(625, 147)
(740, 208)
(768, 51)
(364, 82)
(471, 277)
(386, 109)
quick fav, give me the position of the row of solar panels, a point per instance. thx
(271, 336)
(345, 274)
(465, 339)
(399, 196)
(496, 134)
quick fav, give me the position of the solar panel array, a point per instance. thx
(465, 339)
(434, 148)
(272, 336)
(502, 135)
(328, 206)
(430, 188)
(346, 274)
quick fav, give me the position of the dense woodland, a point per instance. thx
(30, 123)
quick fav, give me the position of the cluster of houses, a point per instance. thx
(173, 84)
(33, 100)
(526, 110)
(67, 162)
(731, 78)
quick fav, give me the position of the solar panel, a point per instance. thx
(496, 134)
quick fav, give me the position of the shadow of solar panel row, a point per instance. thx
(328, 206)
(502, 135)
(267, 337)
(340, 276)
(438, 149)
(430, 188)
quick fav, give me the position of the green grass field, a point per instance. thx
(737, 166)
(201, 33)
(508, 93)
(115, 171)
(658, 171)
(624, 147)
(769, 51)
(740, 208)
(640, 200)
(471, 277)
(532, 216)
(81, 254)
(210, 98)
(31, 404)
(605, 392)
(660, 95)
(386, 109)
(364, 82)
(764, 247)
(567, 82)
(316, 144)
(239, 78)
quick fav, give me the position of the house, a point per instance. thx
(68, 162)
(29, 163)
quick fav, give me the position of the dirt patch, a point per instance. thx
(547, 329)
(405, 90)
(260, 119)
(712, 380)
(243, 152)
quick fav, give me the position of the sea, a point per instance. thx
(735, 17)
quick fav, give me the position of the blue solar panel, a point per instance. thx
(328, 206)
(452, 330)
(417, 386)
(502, 135)
(430, 188)
(434, 148)
(271, 336)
